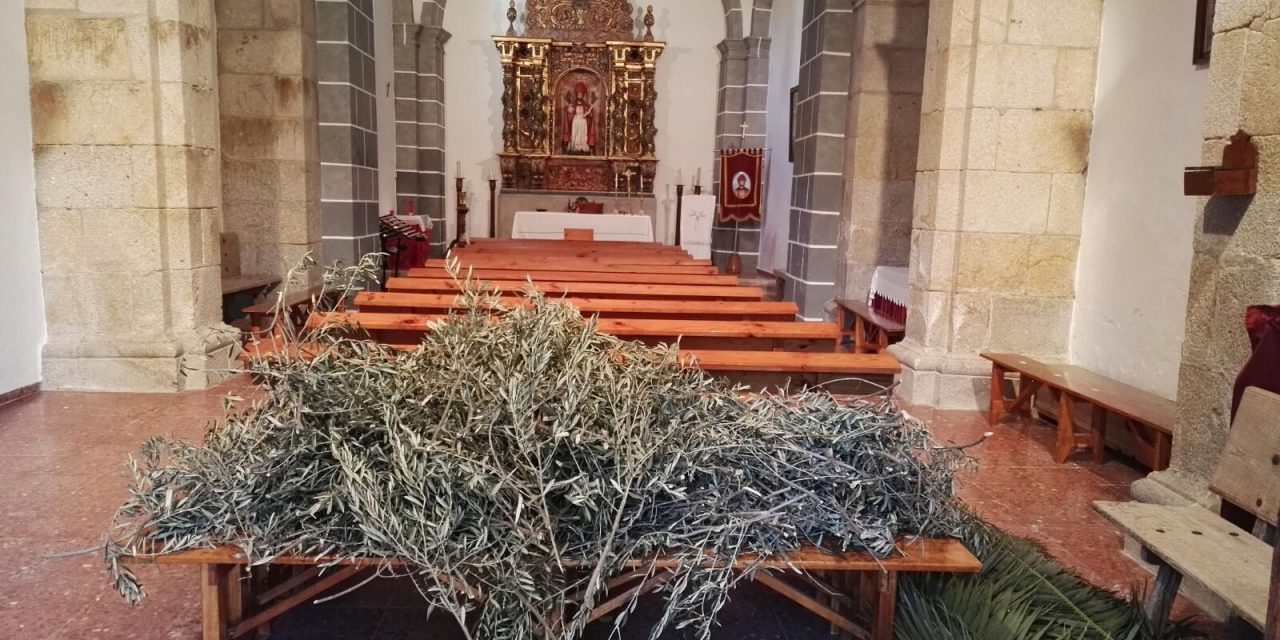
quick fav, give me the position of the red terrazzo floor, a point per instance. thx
(62, 476)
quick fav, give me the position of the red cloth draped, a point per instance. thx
(1262, 370)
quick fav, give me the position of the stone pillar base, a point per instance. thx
(1171, 487)
(199, 361)
(935, 378)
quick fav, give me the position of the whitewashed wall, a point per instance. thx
(686, 81)
(784, 73)
(22, 331)
(1135, 253)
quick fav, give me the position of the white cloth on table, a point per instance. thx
(890, 283)
(422, 222)
(545, 225)
(698, 213)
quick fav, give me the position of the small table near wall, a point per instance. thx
(545, 225)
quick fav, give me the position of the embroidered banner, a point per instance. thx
(741, 171)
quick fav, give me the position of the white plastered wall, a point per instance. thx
(784, 73)
(22, 331)
(1135, 252)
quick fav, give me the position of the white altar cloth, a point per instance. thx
(547, 225)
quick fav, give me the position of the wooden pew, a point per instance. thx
(604, 307)
(400, 328)
(1193, 541)
(586, 289)
(235, 605)
(513, 263)
(1148, 417)
(587, 258)
(572, 248)
(482, 273)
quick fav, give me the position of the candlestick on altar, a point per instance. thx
(493, 208)
(679, 211)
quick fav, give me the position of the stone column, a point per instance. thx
(125, 113)
(742, 100)
(818, 185)
(270, 148)
(420, 135)
(348, 129)
(1004, 139)
(882, 136)
(433, 187)
(1237, 249)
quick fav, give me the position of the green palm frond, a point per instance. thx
(1021, 594)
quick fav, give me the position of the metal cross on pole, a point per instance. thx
(745, 127)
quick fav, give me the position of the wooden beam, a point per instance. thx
(287, 604)
(826, 613)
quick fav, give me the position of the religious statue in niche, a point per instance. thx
(581, 110)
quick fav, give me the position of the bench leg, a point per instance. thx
(1066, 428)
(997, 395)
(1163, 593)
(886, 605)
(213, 597)
(859, 334)
(1098, 438)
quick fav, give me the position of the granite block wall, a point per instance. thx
(348, 129)
(270, 148)
(818, 185)
(882, 137)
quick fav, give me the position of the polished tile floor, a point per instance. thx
(62, 475)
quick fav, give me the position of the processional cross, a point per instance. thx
(745, 127)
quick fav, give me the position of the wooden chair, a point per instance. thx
(580, 235)
(1192, 541)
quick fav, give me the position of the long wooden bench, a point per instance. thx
(588, 257)
(1148, 417)
(483, 273)
(515, 263)
(238, 598)
(400, 328)
(1195, 542)
(585, 289)
(603, 307)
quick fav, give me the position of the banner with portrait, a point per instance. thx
(741, 173)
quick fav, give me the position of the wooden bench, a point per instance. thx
(570, 246)
(585, 289)
(1148, 417)
(603, 307)
(870, 331)
(297, 306)
(238, 599)
(1193, 541)
(481, 273)
(597, 258)
(515, 263)
(400, 328)
(240, 292)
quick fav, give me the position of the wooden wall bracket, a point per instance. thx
(1238, 175)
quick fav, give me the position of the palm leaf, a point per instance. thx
(1021, 594)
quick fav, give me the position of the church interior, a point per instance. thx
(772, 319)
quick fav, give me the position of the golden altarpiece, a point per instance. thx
(578, 99)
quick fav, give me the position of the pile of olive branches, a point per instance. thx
(516, 465)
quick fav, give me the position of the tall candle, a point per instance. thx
(698, 180)
(679, 176)
(459, 168)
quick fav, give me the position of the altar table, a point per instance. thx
(545, 225)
